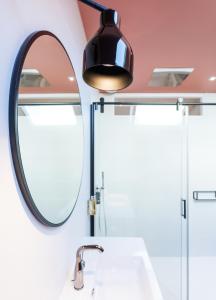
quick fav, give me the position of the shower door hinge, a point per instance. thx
(184, 208)
(92, 206)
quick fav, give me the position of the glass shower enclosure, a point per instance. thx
(153, 175)
(140, 183)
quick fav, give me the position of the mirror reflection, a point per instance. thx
(49, 131)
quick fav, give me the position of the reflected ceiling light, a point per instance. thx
(157, 115)
(71, 78)
(108, 57)
(30, 71)
(212, 78)
(52, 115)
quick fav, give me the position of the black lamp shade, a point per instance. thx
(108, 57)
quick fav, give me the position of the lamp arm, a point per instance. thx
(94, 5)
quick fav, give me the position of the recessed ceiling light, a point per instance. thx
(212, 78)
(169, 77)
(173, 70)
(30, 71)
(33, 78)
(71, 78)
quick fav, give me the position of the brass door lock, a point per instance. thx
(92, 206)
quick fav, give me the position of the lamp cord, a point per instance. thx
(94, 4)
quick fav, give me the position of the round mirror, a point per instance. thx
(46, 128)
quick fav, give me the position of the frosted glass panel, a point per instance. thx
(202, 220)
(138, 154)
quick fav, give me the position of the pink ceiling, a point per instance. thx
(49, 58)
(166, 33)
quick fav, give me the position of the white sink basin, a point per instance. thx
(122, 278)
(123, 271)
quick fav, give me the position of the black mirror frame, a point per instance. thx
(13, 126)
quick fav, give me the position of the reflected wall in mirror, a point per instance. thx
(46, 128)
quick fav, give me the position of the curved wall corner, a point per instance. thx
(34, 259)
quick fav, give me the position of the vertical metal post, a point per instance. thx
(92, 162)
(102, 105)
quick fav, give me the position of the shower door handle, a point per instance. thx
(204, 195)
(183, 208)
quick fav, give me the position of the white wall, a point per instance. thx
(33, 259)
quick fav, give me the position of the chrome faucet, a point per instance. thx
(80, 264)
